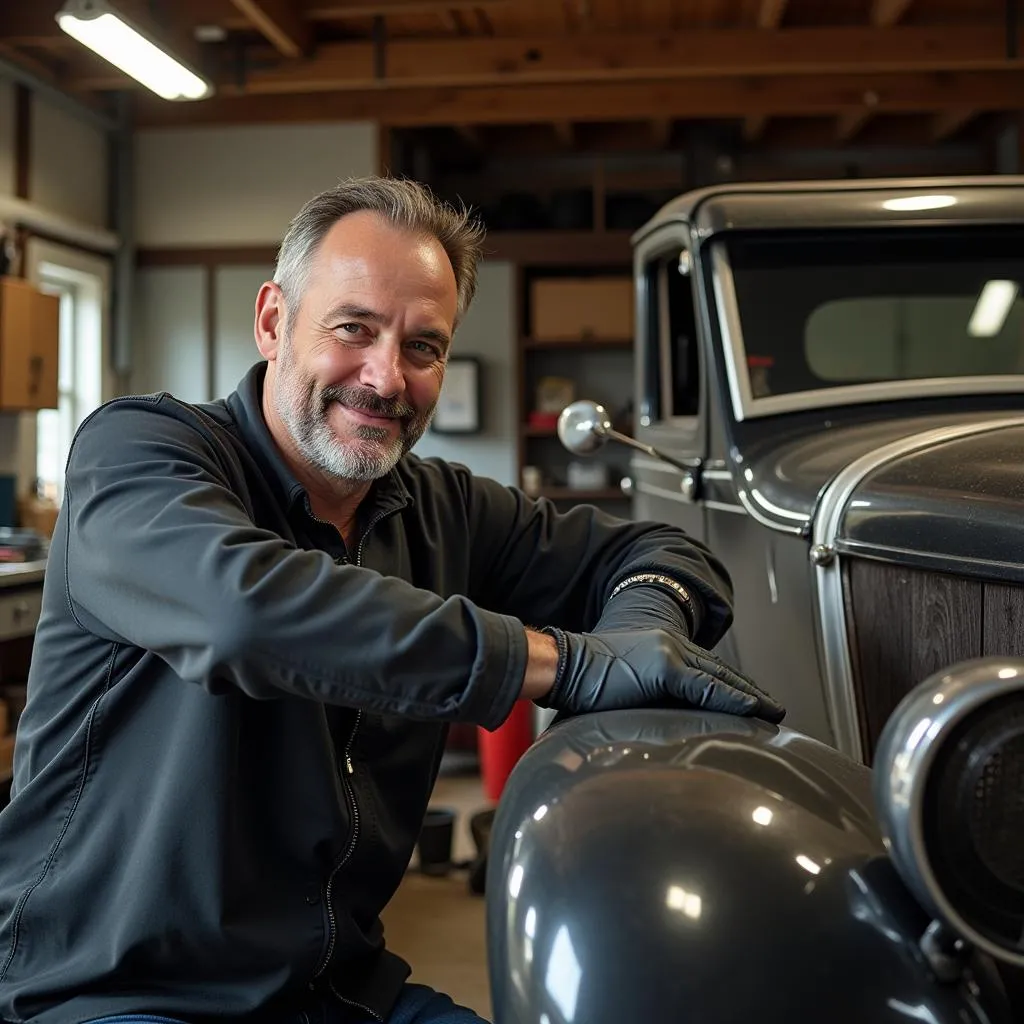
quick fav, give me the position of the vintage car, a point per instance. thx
(829, 395)
(686, 867)
(835, 373)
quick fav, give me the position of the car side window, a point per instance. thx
(671, 372)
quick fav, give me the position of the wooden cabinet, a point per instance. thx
(29, 346)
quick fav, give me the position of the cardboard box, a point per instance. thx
(571, 308)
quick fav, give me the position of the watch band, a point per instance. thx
(659, 579)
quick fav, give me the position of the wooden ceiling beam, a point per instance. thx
(280, 23)
(771, 13)
(339, 11)
(949, 122)
(425, 63)
(697, 98)
(887, 12)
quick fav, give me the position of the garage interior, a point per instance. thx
(136, 231)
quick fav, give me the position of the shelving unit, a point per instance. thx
(599, 365)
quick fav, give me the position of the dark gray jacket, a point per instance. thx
(234, 725)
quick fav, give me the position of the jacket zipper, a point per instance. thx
(350, 796)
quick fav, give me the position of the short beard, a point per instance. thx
(304, 408)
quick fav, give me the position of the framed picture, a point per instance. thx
(459, 408)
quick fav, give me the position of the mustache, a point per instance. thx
(366, 399)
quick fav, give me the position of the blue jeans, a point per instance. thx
(417, 1004)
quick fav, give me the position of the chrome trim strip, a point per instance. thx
(717, 474)
(732, 334)
(887, 391)
(772, 524)
(840, 700)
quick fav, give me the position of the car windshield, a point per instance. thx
(839, 309)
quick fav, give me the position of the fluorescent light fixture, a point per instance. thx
(908, 203)
(994, 305)
(97, 25)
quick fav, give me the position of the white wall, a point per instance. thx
(68, 165)
(170, 316)
(240, 185)
(234, 339)
(487, 332)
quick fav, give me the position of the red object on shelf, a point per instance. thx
(543, 420)
(500, 750)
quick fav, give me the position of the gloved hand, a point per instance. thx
(637, 656)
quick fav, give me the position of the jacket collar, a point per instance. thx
(245, 405)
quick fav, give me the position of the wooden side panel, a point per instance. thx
(1004, 620)
(906, 625)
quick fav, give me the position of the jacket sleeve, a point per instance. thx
(161, 553)
(549, 567)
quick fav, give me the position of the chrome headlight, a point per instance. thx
(949, 789)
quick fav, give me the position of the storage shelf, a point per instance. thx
(577, 343)
(601, 494)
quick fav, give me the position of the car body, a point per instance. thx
(850, 449)
(829, 397)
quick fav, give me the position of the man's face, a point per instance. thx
(361, 359)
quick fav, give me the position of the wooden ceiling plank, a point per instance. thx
(771, 13)
(621, 101)
(888, 12)
(363, 8)
(947, 123)
(424, 63)
(280, 23)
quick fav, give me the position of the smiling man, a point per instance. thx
(260, 615)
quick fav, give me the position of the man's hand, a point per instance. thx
(639, 655)
(649, 668)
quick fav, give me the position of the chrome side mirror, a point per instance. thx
(585, 426)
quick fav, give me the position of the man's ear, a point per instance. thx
(270, 320)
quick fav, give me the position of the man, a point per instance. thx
(259, 616)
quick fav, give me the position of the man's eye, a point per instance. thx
(426, 348)
(351, 328)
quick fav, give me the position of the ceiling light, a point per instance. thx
(994, 305)
(919, 203)
(96, 24)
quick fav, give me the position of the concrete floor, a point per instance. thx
(436, 924)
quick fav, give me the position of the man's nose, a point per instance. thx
(382, 369)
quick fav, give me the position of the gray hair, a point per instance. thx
(404, 204)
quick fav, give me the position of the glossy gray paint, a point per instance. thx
(848, 203)
(684, 866)
(957, 506)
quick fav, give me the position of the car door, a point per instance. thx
(670, 399)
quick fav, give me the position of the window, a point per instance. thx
(80, 281)
(820, 311)
(672, 363)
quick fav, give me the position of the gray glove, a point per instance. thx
(637, 656)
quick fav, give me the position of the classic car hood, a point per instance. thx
(782, 479)
(953, 503)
